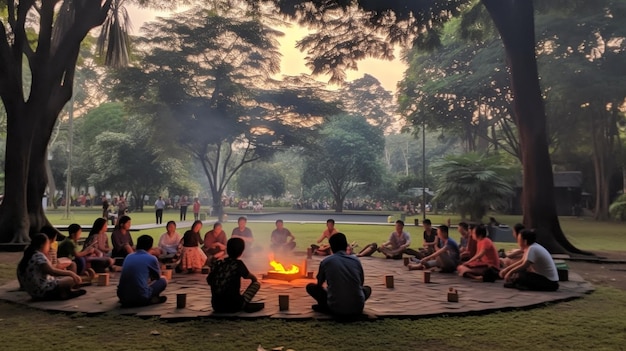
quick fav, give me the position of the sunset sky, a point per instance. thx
(387, 72)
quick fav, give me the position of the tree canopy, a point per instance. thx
(346, 155)
(205, 79)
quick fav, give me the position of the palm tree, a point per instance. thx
(113, 44)
(472, 183)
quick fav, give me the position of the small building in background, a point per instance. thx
(568, 194)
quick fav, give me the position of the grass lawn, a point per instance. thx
(595, 322)
(592, 323)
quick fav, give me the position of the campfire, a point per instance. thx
(285, 271)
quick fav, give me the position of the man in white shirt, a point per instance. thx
(535, 271)
(159, 205)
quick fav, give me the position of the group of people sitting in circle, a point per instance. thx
(48, 272)
(54, 270)
(530, 267)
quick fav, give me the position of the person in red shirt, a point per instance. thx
(196, 209)
(486, 257)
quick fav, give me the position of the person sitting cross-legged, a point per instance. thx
(225, 282)
(324, 249)
(282, 239)
(141, 282)
(485, 265)
(67, 248)
(40, 279)
(215, 243)
(169, 243)
(446, 258)
(345, 294)
(514, 255)
(535, 271)
(398, 244)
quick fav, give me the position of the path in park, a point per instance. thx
(410, 297)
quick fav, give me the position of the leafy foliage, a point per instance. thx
(205, 79)
(617, 210)
(472, 183)
(125, 162)
(345, 156)
(260, 179)
(367, 97)
(345, 32)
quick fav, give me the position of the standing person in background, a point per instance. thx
(184, 203)
(196, 209)
(121, 207)
(105, 208)
(159, 205)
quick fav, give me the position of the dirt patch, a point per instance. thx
(10, 257)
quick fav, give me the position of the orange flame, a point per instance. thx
(279, 268)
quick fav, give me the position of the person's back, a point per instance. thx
(344, 277)
(345, 293)
(140, 282)
(135, 275)
(225, 282)
(542, 262)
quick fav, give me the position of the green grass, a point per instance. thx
(595, 322)
(590, 323)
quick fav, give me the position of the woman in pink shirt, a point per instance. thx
(485, 260)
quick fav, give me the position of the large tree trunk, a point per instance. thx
(14, 221)
(515, 22)
(218, 208)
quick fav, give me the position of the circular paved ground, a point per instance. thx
(409, 298)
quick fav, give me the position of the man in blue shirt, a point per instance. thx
(141, 282)
(447, 258)
(344, 294)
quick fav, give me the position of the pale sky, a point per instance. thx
(292, 63)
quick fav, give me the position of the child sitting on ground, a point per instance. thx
(67, 249)
(40, 279)
(225, 282)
